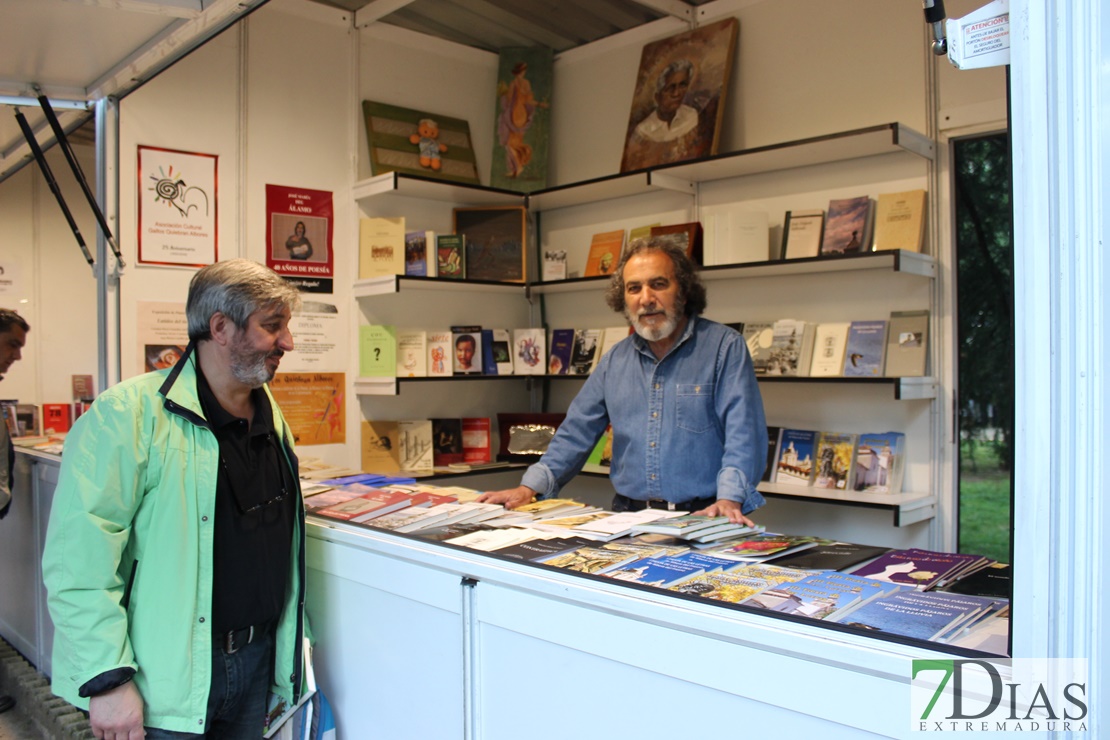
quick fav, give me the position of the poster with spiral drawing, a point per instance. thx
(177, 207)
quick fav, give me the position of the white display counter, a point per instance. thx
(420, 640)
(24, 620)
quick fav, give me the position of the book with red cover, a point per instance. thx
(56, 417)
(374, 503)
(476, 440)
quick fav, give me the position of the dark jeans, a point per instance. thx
(237, 699)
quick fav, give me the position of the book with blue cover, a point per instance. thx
(816, 601)
(822, 595)
(924, 616)
(562, 345)
(866, 347)
(418, 250)
(663, 572)
(709, 563)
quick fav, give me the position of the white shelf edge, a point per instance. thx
(384, 285)
(682, 177)
(375, 386)
(908, 508)
(398, 183)
(392, 284)
(911, 263)
(917, 389)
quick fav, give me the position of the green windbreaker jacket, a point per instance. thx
(128, 558)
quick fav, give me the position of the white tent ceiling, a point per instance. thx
(76, 52)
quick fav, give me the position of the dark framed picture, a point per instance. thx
(686, 237)
(495, 242)
(679, 98)
(419, 143)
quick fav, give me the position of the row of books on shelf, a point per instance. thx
(386, 351)
(29, 420)
(842, 461)
(893, 347)
(387, 248)
(494, 249)
(916, 593)
(606, 248)
(425, 446)
(848, 226)
(856, 224)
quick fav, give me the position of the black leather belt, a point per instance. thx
(632, 504)
(235, 640)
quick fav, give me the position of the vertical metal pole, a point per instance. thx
(107, 269)
(469, 636)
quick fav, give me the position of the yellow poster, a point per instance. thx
(313, 405)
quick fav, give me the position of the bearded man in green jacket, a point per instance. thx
(175, 552)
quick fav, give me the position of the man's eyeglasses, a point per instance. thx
(235, 494)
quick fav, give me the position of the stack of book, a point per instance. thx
(922, 569)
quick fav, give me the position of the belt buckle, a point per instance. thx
(229, 644)
(658, 503)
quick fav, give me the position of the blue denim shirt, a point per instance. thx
(688, 426)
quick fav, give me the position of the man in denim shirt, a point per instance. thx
(688, 425)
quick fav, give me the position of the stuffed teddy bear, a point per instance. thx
(427, 131)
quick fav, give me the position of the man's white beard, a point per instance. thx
(664, 330)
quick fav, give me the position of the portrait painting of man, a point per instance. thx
(679, 98)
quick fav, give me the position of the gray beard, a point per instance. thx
(654, 335)
(249, 366)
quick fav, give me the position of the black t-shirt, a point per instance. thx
(255, 496)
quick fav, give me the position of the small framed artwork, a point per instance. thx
(177, 207)
(495, 242)
(523, 117)
(686, 237)
(419, 143)
(679, 98)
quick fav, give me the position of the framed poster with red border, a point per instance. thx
(299, 228)
(177, 207)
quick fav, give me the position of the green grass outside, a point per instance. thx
(984, 503)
